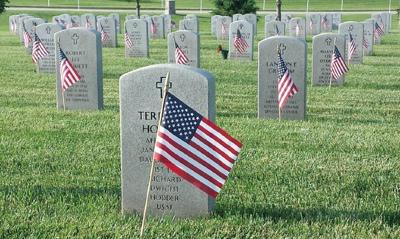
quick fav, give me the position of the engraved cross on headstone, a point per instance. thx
(75, 38)
(282, 48)
(48, 30)
(160, 85)
(350, 28)
(328, 41)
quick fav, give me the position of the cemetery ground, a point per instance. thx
(336, 174)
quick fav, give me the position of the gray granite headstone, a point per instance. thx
(222, 27)
(241, 51)
(130, 17)
(89, 21)
(137, 31)
(157, 27)
(12, 23)
(313, 22)
(191, 16)
(147, 18)
(190, 24)
(368, 41)
(30, 25)
(117, 21)
(75, 21)
(285, 18)
(252, 18)
(322, 51)
(140, 103)
(357, 32)
(237, 17)
(381, 19)
(214, 20)
(294, 53)
(46, 32)
(188, 42)
(108, 25)
(297, 28)
(269, 18)
(21, 27)
(167, 25)
(336, 20)
(83, 48)
(326, 22)
(274, 28)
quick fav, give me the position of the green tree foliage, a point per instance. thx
(230, 7)
(2, 5)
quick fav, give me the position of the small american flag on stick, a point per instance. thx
(69, 74)
(194, 148)
(338, 66)
(38, 50)
(240, 43)
(297, 29)
(311, 25)
(153, 27)
(351, 47)
(27, 37)
(378, 32)
(286, 86)
(127, 39)
(87, 24)
(180, 56)
(104, 35)
(324, 22)
(365, 43)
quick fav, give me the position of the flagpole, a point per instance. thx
(341, 7)
(307, 5)
(152, 161)
(63, 98)
(264, 5)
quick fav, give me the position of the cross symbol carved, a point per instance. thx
(75, 38)
(281, 48)
(160, 85)
(48, 30)
(328, 41)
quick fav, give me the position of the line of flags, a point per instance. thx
(38, 50)
(180, 56)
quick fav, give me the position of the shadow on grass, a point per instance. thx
(310, 215)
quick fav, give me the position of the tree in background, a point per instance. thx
(2, 5)
(230, 7)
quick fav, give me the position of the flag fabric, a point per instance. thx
(127, 39)
(378, 32)
(365, 43)
(180, 56)
(87, 24)
(351, 47)
(338, 66)
(153, 27)
(240, 43)
(324, 22)
(311, 25)
(297, 29)
(223, 29)
(104, 36)
(38, 50)
(27, 37)
(286, 86)
(195, 148)
(13, 26)
(69, 74)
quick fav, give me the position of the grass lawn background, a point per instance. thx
(334, 175)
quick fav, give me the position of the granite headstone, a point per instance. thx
(297, 28)
(274, 28)
(45, 33)
(368, 41)
(241, 40)
(188, 42)
(137, 33)
(357, 32)
(313, 22)
(108, 31)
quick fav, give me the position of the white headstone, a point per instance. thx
(108, 31)
(222, 28)
(30, 25)
(157, 27)
(368, 41)
(326, 22)
(186, 41)
(297, 28)
(241, 40)
(274, 28)
(189, 24)
(313, 22)
(357, 32)
(88, 21)
(137, 33)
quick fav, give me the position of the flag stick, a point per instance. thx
(152, 161)
(63, 99)
(307, 5)
(279, 113)
(334, 45)
(341, 7)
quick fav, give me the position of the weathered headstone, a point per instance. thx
(322, 51)
(89, 21)
(190, 24)
(326, 22)
(313, 22)
(83, 48)
(45, 33)
(214, 20)
(167, 25)
(117, 21)
(285, 18)
(297, 28)
(157, 27)
(294, 53)
(147, 18)
(75, 21)
(269, 18)
(137, 33)
(222, 28)
(108, 31)
(368, 41)
(188, 42)
(357, 32)
(141, 94)
(381, 19)
(274, 28)
(30, 25)
(252, 18)
(336, 20)
(241, 40)
(22, 28)
(237, 17)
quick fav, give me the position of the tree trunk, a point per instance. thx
(278, 9)
(137, 9)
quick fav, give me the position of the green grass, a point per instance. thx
(334, 175)
(270, 4)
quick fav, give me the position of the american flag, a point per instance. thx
(338, 66)
(351, 47)
(38, 50)
(180, 56)
(311, 25)
(27, 37)
(127, 39)
(153, 27)
(69, 74)
(378, 32)
(104, 36)
(286, 86)
(87, 24)
(365, 43)
(195, 148)
(223, 30)
(324, 22)
(297, 29)
(13, 26)
(240, 43)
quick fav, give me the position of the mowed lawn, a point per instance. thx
(294, 5)
(334, 175)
